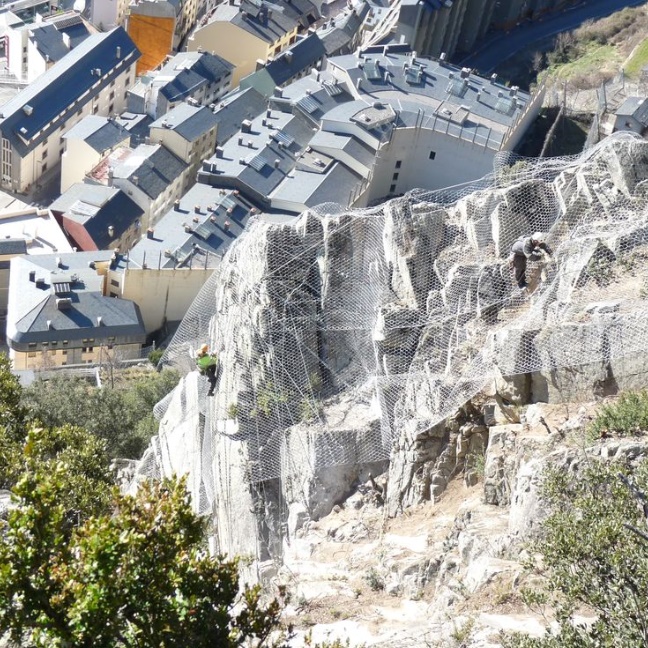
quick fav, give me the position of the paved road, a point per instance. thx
(497, 48)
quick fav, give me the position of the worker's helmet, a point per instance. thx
(539, 237)
(204, 348)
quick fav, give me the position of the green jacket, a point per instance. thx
(207, 360)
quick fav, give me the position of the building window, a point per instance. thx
(65, 342)
(392, 188)
(110, 108)
(399, 163)
(112, 95)
(31, 355)
(45, 141)
(127, 82)
(44, 154)
(79, 111)
(87, 349)
(112, 83)
(95, 110)
(432, 155)
(64, 352)
(44, 167)
(395, 176)
(32, 345)
(114, 282)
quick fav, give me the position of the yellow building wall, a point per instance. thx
(40, 359)
(163, 295)
(234, 44)
(153, 37)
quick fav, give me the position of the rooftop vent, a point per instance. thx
(150, 233)
(59, 263)
(442, 57)
(40, 282)
(118, 52)
(465, 73)
(176, 205)
(197, 209)
(27, 109)
(49, 325)
(32, 275)
(493, 78)
(99, 320)
(64, 303)
(111, 231)
(246, 126)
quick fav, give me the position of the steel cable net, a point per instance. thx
(349, 328)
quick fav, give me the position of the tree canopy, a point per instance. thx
(596, 565)
(122, 416)
(82, 564)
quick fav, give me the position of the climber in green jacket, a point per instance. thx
(207, 364)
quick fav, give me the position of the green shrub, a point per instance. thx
(155, 355)
(628, 416)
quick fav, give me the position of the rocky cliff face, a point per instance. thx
(394, 339)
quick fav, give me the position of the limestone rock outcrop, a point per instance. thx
(351, 339)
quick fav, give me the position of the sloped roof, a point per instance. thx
(154, 166)
(54, 92)
(190, 122)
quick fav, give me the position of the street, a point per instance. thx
(495, 48)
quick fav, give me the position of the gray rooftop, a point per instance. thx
(636, 107)
(101, 133)
(303, 55)
(49, 37)
(187, 71)
(34, 113)
(267, 21)
(185, 237)
(190, 122)
(96, 208)
(152, 167)
(236, 107)
(34, 315)
(451, 98)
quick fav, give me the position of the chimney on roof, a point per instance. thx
(493, 78)
(49, 325)
(197, 209)
(278, 92)
(219, 151)
(111, 231)
(66, 40)
(150, 233)
(277, 162)
(59, 263)
(246, 126)
(98, 320)
(111, 174)
(442, 57)
(240, 140)
(176, 205)
(63, 303)
(135, 180)
(32, 275)
(118, 52)
(260, 64)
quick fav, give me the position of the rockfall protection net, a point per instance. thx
(352, 328)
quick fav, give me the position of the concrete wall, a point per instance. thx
(78, 159)
(455, 161)
(235, 45)
(153, 36)
(164, 294)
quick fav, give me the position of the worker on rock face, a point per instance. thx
(529, 247)
(207, 364)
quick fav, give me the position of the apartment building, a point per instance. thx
(158, 27)
(198, 76)
(63, 309)
(189, 132)
(252, 30)
(91, 79)
(108, 14)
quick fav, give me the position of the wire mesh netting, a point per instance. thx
(347, 328)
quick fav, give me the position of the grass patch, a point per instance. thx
(592, 60)
(638, 61)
